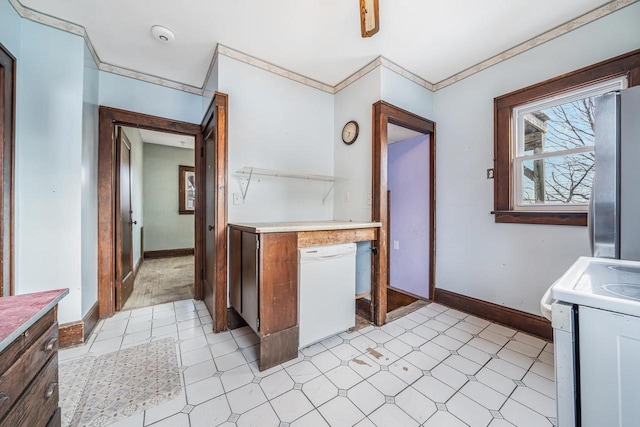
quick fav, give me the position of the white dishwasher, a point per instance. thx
(326, 290)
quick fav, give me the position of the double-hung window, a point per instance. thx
(544, 143)
(553, 153)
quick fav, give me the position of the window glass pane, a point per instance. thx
(562, 127)
(558, 180)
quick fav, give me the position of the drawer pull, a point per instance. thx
(3, 398)
(51, 389)
(51, 342)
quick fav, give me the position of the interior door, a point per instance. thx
(124, 221)
(209, 262)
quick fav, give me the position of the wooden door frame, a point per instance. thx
(7, 145)
(215, 120)
(109, 118)
(383, 114)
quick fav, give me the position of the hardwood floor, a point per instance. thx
(162, 280)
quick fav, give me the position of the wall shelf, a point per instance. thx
(248, 172)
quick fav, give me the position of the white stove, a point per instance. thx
(595, 314)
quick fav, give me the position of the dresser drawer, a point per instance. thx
(39, 402)
(14, 380)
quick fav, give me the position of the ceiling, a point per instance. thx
(319, 39)
(171, 139)
(397, 133)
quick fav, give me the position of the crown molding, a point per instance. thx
(558, 31)
(537, 41)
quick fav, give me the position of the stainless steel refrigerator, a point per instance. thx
(614, 217)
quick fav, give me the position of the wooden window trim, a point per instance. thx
(627, 64)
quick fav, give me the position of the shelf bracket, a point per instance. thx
(328, 192)
(246, 189)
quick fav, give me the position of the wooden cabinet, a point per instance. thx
(264, 290)
(29, 376)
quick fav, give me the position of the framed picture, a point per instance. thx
(187, 190)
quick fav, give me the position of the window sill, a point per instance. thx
(548, 218)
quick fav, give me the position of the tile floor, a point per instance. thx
(433, 367)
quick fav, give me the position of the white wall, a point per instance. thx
(89, 184)
(276, 123)
(48, 163)
(10, 23)
(354, 161)
(507, 264)
(210, 87)
(405, 94)
(142, 97)
(164, 227)
(137, 188)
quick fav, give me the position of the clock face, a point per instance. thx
(350, 132)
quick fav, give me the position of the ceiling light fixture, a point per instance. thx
(163, 34)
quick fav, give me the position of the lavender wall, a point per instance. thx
(408, 181)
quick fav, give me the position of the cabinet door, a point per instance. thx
(609, 369)
(235, 269)
(250, 286)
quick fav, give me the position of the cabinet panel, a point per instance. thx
(278, 282)
(235, 269)
(250, 290)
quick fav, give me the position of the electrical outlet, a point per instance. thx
(396, 245)
(490, 173)
(369, 200)
(347, 196)
(237, 198)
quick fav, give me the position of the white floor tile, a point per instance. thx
(387, 383)
(132, 421)
(178, 420)
(540, 384)
(426, 311)
(405, 323)
(529, 339)
(484, 395)
(516, 358)
(462, 364)
(459, 335)
(434, 389)
(245, 398)
(447, 342)
(449, 376)
(193, 343)
(219, 337)
(236, 377)
(414, 403)
(276, 384)
(260, 416)
(537, 401)
(507, 369)
(345, 351)
(199, 372)
(496, 381)
(134, 326)
(382, 356)
(502, 330)
(546, 357)
(165, 409)
(398, 347)
(340, 411)
(499, 422)
(251, 353)
(485, 345)
(434, 350)
(247, 340)
(469, 328)
(543, 370)
(438, 307)
(421, 360)
(390, 329)
(331, 342)
(344, 377)
(474, 354)
(425, 332)
(477, 321)
(442, 419)
(157, 331)
(362, 343)
(522, 348)
(320, 390)
(389, 415)
(204, 390)
(222, 348)
(302, 372)
(469, 411)
(312, 419)
(210, 413)
(325, 361)
(364, 366)
(313, 349)
(365, 423)
(445, 318)
(437, 325)
(412, 339)
(185, 334)
(405, 371)
(522, 416)
(366, 397)
(199, 355)
(417, 317)
(230, 361)
(291, 406)
(137, 337)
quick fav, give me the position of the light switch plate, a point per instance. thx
(396, 245)
(490, 173)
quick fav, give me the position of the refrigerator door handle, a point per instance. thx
(590, 219)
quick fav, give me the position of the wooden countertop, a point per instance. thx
(19, 312)
(283, 227)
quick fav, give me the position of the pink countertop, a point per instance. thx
(19, 312)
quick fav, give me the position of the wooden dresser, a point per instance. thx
(29, 359)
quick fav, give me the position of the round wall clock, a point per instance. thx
(350, 132)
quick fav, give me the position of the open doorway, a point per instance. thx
(408, 197)
(416, 151)
(161, 199)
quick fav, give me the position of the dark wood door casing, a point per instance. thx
(215, 127)
(7, 137)
(109, 119)
(383, 114)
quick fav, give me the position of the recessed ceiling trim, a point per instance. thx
(536, 41)
(73, 28)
